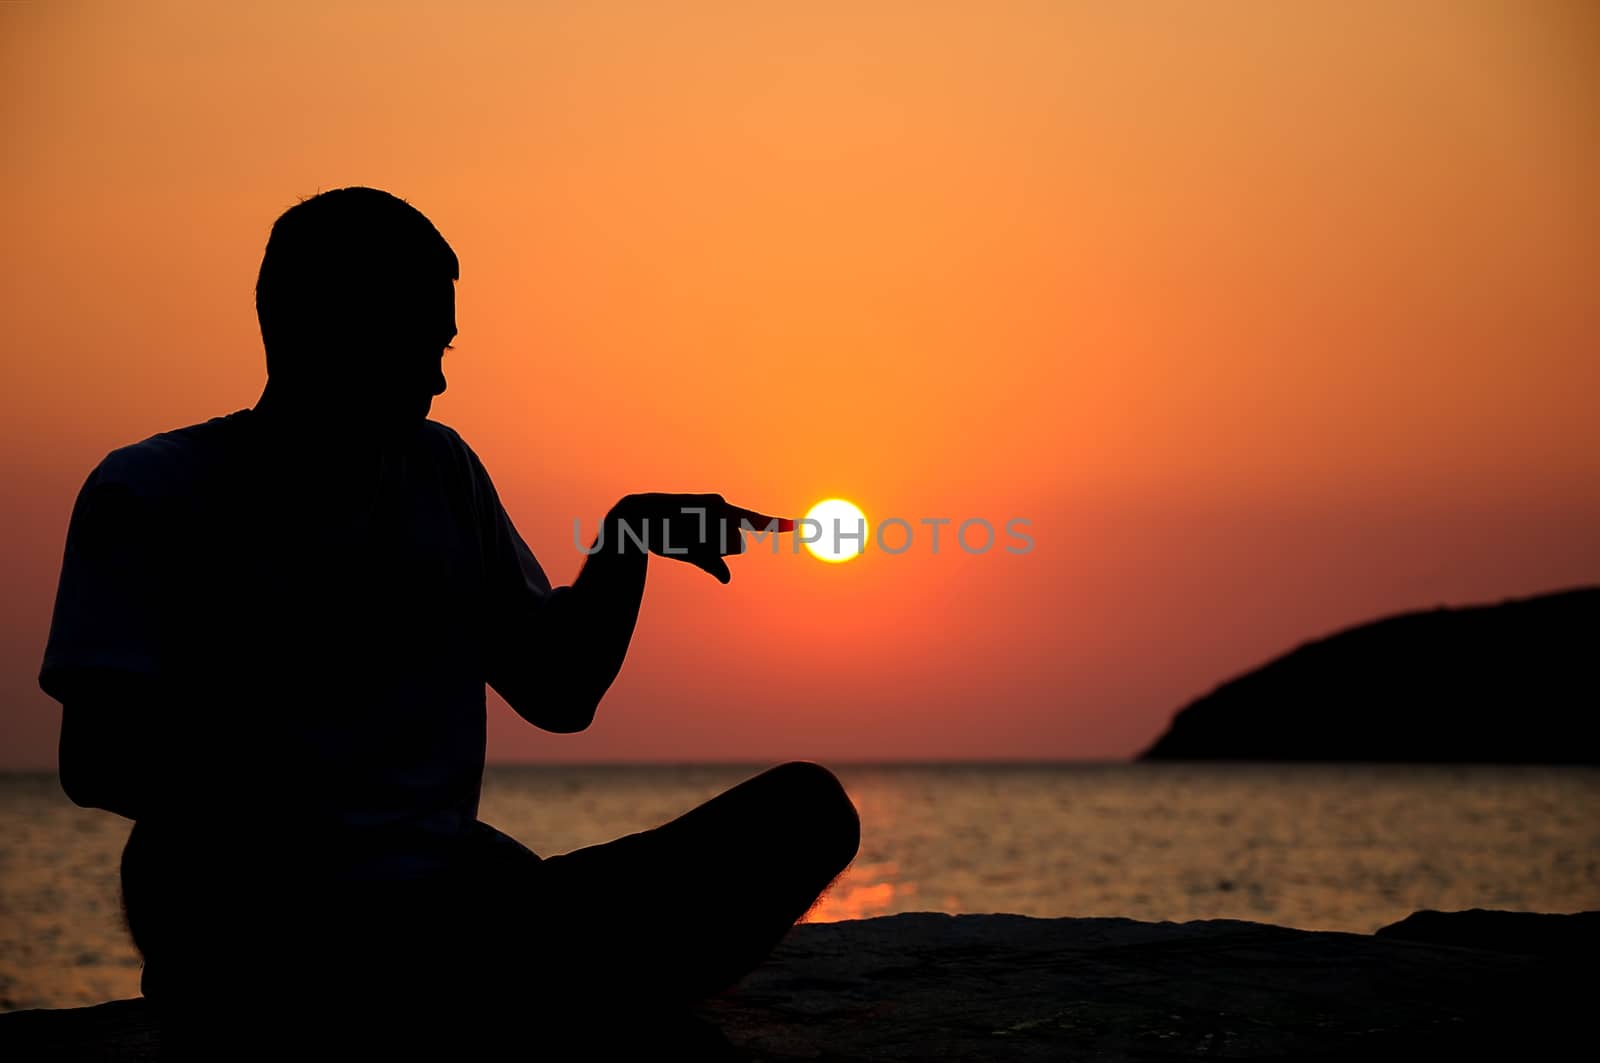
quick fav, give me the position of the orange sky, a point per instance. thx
(1271, 318)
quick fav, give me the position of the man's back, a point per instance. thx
(313, 619)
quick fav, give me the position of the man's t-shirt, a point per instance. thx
(320, 626)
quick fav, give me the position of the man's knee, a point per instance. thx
(825, 813)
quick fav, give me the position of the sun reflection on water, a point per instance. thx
(864, 890)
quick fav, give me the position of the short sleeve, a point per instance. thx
(107, 607)
(523, 575)
(516, 590)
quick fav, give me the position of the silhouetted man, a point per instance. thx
(271, 642)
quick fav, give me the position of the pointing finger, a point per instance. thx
(759, 521)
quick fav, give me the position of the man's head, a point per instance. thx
(356, 299)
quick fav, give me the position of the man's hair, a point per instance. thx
(338, 265)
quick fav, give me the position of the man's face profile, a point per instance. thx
(408, 363)
(386, 365)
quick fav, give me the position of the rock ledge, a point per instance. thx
(1006, 987)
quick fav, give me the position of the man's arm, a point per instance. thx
(584, 630)
(111, 755)
(102, 659)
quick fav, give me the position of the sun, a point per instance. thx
(843, 534)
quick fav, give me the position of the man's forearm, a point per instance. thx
(584, 633)
(605, 598)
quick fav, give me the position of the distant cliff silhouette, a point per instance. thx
(1517, 682)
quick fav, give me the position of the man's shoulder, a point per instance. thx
(462, 468)
(447, 446)
(169, 463)
(439, 434)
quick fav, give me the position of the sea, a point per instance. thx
(1321, 847)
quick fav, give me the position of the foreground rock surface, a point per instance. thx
(1001, 987)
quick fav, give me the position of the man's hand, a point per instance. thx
(699, 529)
